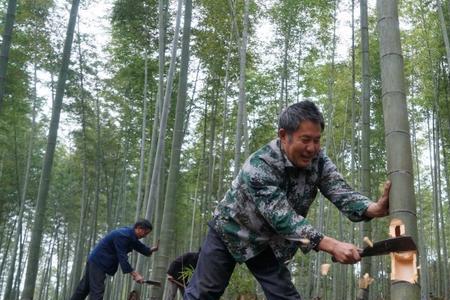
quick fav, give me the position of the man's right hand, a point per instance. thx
(137, 277)
(345, 253)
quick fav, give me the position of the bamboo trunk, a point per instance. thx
(5, 251)
(224, 125)
(424, 282)
(242, 96)
(139, 199)
(6, 44)
(23, 193)
(366, 264)
(168, 219)
(402, 204)
(36, 236)
(444, 31)
(79, 254)
(437, 158)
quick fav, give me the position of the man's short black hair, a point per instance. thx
(143, 223)
(291, 117)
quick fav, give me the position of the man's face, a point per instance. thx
(141, 232)
(303, 144)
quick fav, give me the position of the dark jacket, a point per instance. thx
(113, 250)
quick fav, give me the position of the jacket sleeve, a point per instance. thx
(333, 186)
(120, 244)
(264, 185)
(142, 248)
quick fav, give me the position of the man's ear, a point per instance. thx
(282, 134)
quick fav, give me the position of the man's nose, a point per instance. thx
(310, 148)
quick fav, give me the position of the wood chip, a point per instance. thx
(416, 277)
(365, 281)
(304, 241)
(368, 241)
(324, 269)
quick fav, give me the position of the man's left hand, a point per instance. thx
(155, 248)
(381, 207)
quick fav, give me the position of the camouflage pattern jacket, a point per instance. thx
(268, 202)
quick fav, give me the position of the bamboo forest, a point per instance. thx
(114, 111)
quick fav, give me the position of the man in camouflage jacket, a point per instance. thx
(262, 219)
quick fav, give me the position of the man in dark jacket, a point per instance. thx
(176, 273)
(111, 251)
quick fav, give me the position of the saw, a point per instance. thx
(152, 282)
(396, 244)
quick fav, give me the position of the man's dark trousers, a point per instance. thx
(215, 266)
(92, 283)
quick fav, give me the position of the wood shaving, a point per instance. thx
(324, 269)
(416, 277)
(365, 281)
(304, 241)
(368, 241)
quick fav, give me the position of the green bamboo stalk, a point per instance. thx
(402, 201)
